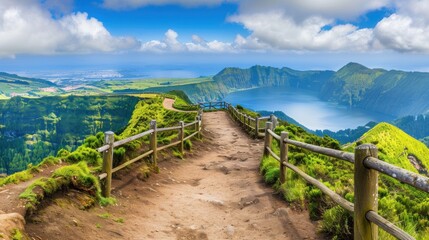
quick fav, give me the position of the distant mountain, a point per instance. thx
(395, 93)
(13, 78)
(347, 135)
(235, 79)
(13, 85)
(260, 76)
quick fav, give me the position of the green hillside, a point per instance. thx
(13, 85)
(235, 79)
(33, 128)
(349, 84)
(401, 204)
(394, 146)
(395, 93)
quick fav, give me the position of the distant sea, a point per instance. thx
(117, 72)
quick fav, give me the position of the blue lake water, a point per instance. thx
(305, 107)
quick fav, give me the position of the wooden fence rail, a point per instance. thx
(366, 169)
(110, 144)
(366, 166)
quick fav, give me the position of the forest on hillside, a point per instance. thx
(32, 129)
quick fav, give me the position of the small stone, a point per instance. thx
(230, 230)
(75, 222)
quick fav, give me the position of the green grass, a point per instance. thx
(403, 205)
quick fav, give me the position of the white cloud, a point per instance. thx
(198, 44)
(282, 32)
(303, 9)
(131, 4)
(27, 28)
(408, 29)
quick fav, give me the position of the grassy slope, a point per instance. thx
(85, 161)
(403, 205)
(13, 85)
(392, 142)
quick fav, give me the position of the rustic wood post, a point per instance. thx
(210, 105)
(153, 143)
(256, 127)
(197, 125)
(268, 138)
(182, 136)
(248, 122)
(366, 193)
(275, 122)
(283, 156)
(109, 138)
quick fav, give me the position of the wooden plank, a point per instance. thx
(168, 145)
(153, 143)
(268, 138)
(103, 148)
(190, 124)
(190, 136)
(405, 176)
(168, 129)
(109, 138)
(132, 161)
(273, 134)
(272, 153)
(388, 226)
(333, 195)
(181, 137)
(283, 156)
(325, 151)
(366, 194)
(130, 139)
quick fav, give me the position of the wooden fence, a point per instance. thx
(366, 169)
(366, 166)
(110, 145)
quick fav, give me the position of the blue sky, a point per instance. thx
(54, 35)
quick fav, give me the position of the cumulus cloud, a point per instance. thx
(408, 29)
(198, 44)
(312, 25)
(131, 4)
(27, 28)
(283, 32)
(303, 9)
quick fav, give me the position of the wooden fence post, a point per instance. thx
(366, 193)
(197, 125)
(109, 138)
(248, 122)
(256, 127)
(154, 143)
(283, 156)
(268, 138)
(275, 122)
(182, 136)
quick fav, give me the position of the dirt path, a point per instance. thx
(9, 194)
(168, 104)
(215, 193)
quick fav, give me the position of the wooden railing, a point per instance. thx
(110, 145)
(366, 169)
(366, 166)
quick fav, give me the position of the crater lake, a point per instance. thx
(305, 107)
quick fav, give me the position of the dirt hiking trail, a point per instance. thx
(215, 192)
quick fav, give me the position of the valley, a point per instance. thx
(36, 115)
